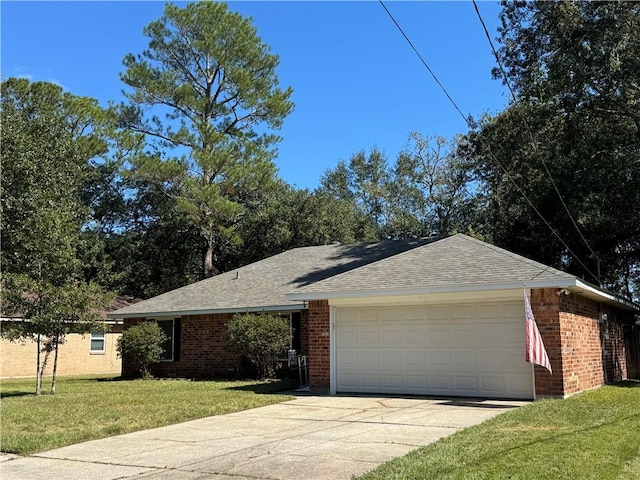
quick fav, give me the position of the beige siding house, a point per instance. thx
(93, 353)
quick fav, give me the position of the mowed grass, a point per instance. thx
(86, 408)
(593, 435)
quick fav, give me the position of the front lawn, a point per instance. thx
(593, 435)
(86, 408)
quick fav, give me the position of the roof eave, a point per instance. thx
(328, 295)
(572, 284)
(605, 297)
(210, 311)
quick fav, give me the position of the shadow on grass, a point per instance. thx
(16, 393)
(115, 379)
(278, 386)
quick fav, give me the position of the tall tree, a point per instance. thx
(363, 180)
(431, 189)
(213, 80)
(287, 217)
(47, 146)
(571, 138)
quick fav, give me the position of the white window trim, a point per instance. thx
(104, 343)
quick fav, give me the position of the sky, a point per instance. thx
(357, 83)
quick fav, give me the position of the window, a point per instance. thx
(171, 329)
(97, 342)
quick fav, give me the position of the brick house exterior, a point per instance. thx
(586, 344)
(202, 351)
(585, 330)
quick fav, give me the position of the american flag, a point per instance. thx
(536, 352)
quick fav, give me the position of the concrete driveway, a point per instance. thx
(311, 437)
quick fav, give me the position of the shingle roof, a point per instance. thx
(264, 284)
(455, 261)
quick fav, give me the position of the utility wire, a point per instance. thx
(533, 142)
(493, 157)
(466, 120)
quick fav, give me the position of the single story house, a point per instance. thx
(437, 316)
(93, 353)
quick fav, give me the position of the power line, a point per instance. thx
(466, 120)
(493, 157)
(533, 142)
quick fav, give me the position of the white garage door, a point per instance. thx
(463, 350)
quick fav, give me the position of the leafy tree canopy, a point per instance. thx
(574, 128)
(210, 86)
(48, 146)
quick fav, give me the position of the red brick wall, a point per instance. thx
(574, 338)
(582, 351)
(319, 336)
(545, 304)
(304, 332)
(203, 352)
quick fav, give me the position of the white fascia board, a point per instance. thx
(182, 313)
(607, 297)
(556, 283)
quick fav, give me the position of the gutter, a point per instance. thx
(210, 311)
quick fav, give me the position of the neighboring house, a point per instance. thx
(93, 353)
(427, 317)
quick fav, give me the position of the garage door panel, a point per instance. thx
(370, 381)
(348, 337)
(437, 335)
(439, 358)
(370, 359)
(416, 382)
(369, 337)
(348, 381)
(493, 385)
(492, 360)
(392, 359)
(392, 337)
(437, 313)
(465, 358)
(415, 336)
(468, 349)
(348, 358)
(466, 384)
(439, 383)
(415, 358)
(393, 381)
(462, 312)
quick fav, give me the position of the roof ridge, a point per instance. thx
(434, 239)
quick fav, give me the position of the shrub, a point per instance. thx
(141, 345)
(260, 337)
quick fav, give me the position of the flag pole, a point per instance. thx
(533, 368)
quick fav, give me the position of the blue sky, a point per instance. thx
(357, 83)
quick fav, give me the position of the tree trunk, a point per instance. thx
(38, 371)
(207, 267)
(55, 365)
(41, 373)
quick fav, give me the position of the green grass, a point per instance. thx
(593, 435)
(86, 408)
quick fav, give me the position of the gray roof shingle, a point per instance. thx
(264, 284)
(450, 262)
